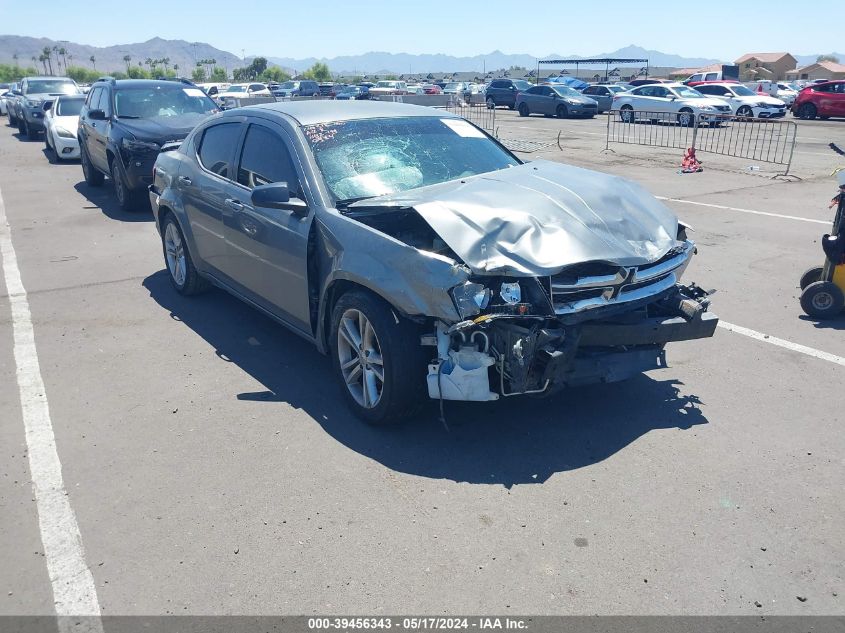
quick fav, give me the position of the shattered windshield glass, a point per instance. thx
(373, 157)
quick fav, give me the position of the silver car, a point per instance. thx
(422, 256)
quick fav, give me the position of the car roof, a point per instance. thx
(138, 83)
(46, 77)
(312, 112)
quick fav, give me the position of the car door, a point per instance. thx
(267, 248)
(643, 99)
(95, 133)
(837, 99)
(204, 184)
(660, 97)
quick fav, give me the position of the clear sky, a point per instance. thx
(281, 28)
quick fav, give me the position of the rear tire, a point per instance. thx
(491, 105)
(807, 112)
(523, 109)
(388, 347)
(562, 112)
(686, 118)
(93, 177)
(626, 114)
(811, 276)
(822, 300)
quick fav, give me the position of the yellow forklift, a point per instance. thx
(823, 287)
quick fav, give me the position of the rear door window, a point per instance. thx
(217, 146)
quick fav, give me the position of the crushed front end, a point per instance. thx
(590, 323)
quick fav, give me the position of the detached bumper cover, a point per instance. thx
(649, 332)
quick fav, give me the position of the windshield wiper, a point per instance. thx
(344, 203)
(127, 116)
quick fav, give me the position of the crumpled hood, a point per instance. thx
(163, 128)
(537, 218)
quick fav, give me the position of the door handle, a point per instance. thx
(185, 180)
(234, 204)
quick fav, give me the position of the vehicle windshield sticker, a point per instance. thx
(193, 92)
(462, 128)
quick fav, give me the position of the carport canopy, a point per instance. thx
(607, 61)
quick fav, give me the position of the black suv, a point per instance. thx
(124, 124)
(502, 92)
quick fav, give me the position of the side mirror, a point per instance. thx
(96, 115)
(17, 93)
(277, 196)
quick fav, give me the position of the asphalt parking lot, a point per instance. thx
(213, 468)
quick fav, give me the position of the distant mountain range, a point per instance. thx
(186, 54)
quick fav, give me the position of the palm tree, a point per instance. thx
(70, 58)
(93, 61)
(55, 51)
(128, 60)
(15, 57)
(176, 69)
(43, 59)
(63, 53)
(46, 52)
(165, 61)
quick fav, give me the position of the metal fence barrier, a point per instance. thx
(759, 140)
(476, 113)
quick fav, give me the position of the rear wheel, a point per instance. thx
(523, 109)
(490, 103)
(822, 300)
(626, 114)
(562, 112)
(377, 358)
(93, 178)
(807, 111)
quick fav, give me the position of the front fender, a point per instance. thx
(415, 283)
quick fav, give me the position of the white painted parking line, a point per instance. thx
(752, 211)
(773, 340)
(74, 593)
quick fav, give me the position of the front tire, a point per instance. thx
(822, 300)
(93, 177)
(377, 358)
(745, 112)
(562, 112)
(686, 118)
(126, 198)
(626, 114)
(491, 104)
(811, 276)
(523, 109)
(184, 276)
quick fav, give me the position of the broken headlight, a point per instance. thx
(470, 298)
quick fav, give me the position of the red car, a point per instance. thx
(820, 100)
(431, 89)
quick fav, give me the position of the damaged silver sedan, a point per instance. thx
(424, 257)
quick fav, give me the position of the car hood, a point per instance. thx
(162, 128)
(537, 218)
(69, 123)
(47, 96)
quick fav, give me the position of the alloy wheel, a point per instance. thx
(361, 363)
(174, 251)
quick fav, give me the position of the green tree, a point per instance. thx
(827, 58)
(258, 66)
(128, 60)
(46, 56)
(198, 74)
(318, 72)
(219, 75)
(93, 61)
(136, 72)
(274, 73)
(240, 74)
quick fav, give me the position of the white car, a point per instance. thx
(673, 98)
(4, 110)
(414, 89)
(745, 102)
(778, 89)
(243, 91)
(389, 87)
(61, 120)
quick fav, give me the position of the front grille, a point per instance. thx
(597, 285)
(723, 108)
